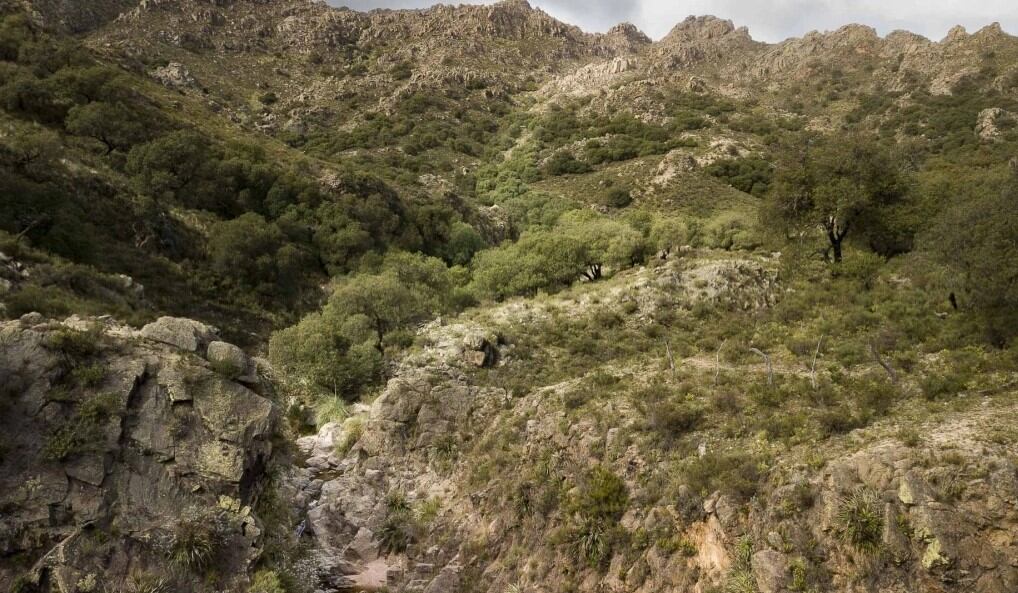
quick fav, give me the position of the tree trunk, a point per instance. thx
(380, 331)
(836, 247)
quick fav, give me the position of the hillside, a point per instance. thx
(297, 299)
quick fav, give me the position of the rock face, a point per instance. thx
(110, 438)
(79, 17)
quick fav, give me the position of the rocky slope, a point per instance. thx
(489, 477)
(129, 458)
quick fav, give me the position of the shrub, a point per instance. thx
(266, 581)
(861, 519)
(736, 474)
(196, 539)
(399, 528)
(618, 198)
(88, 375)
(83, 431)
(940, 384)
(671, 419)
(75, 343)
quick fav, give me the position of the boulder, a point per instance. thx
(186, 334)
(227, 360)
(479, 349)
(770, 570)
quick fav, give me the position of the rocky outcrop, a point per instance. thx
(175, 75)
(991, 123)
(121, 453)
(78, 17)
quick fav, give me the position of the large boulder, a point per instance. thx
(186, 334)
(227, 359)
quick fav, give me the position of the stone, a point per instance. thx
(770, 570)
(912, 491)
(447, 581)
(726, 511)
(30, 319)
(227, 359)
(364, 546)
(175, 75)
(186, 334)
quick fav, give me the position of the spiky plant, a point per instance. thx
(860, 519)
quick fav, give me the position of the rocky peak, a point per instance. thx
(625, 38)
(700, 28)
(957, 33)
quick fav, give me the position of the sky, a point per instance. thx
(767, 21)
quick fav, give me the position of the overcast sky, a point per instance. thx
(767, 20)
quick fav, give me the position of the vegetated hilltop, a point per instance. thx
(527, 308)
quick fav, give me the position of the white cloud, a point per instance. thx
(768, 21)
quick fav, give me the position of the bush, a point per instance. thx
(322, 352)
(564, 163)
(602, 500)
(74, 343)
(266, 581)
(736, 474)
(861, 519)
(750, 174)
(670, 419)
(197, 539)
(618, 198)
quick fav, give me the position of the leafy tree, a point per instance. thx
(564, 163)
(409, 289)
(178, 166)
(978, 240)
(605, 242)
(837, 184)
(31, 150)
(618, 197)
(667, 234)
(751, 175)
(31, 97)
(324, 352)
(464, 241)
(110, 123)
(539, 260)
(579, 246)
(254, 252)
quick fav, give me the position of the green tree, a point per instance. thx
(409, 289)
(326, 352)
(110, 123)
(667, 234)
(605, 242)
(179, 166)
(541, 260)
(840, 185)
(464, 241)
(978, 240)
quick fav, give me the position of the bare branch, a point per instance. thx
(767, 359)
(876, 356)
(813, 367)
